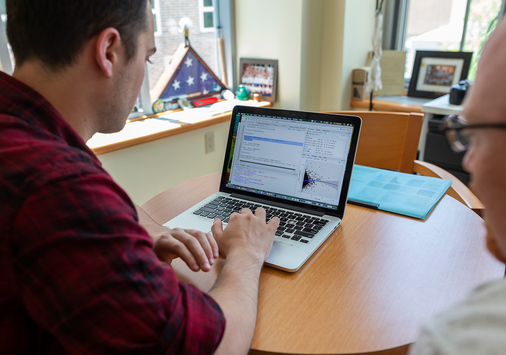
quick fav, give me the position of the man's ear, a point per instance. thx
(108, 50)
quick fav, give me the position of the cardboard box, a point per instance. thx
(359, 78)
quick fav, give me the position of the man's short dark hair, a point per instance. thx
(55, 31)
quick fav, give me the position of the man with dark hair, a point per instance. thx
(478, 324)
(57, 32)
(79, 272)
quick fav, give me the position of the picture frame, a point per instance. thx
(434, 72)
(259, 76)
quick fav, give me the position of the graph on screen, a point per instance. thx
(321, 178)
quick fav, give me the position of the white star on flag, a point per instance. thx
(190, 81)
(176, 84)
(203, 76)
(188, 62)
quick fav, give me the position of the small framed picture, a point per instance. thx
(259, 76)
(434, 72)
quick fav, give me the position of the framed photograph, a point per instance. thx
(259, 76)
(434, 72)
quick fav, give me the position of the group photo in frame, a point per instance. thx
(434, 72)
(259, 76)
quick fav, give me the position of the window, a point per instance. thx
(206, 10)
(176, 15)
(199, 15)
(6, 57)
(155, 8)
(446, 25)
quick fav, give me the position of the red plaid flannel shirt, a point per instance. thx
(78, 273)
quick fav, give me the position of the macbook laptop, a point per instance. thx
(297, 165)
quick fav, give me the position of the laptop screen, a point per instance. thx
(300, 158)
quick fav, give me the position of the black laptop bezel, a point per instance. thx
(320, 116)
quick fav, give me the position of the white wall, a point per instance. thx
(357, 41)
(332, 52)
(150, 168)
(317, 43)
(271, 29)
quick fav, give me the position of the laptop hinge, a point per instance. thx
(278, 204)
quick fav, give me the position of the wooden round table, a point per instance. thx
(368, 288)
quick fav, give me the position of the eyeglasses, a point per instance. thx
(457, 131)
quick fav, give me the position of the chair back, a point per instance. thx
(388, 140)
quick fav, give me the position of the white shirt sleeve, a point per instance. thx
(475, 326)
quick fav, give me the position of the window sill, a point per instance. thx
(165, 125)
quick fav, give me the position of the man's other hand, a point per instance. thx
(197, 249)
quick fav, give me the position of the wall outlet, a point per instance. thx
(209, 140)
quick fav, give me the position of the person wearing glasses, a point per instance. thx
(478, 324)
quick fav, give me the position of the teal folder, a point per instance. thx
(406, 194)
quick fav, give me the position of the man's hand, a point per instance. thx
(246, 242)
(197, 249)
(246, 233)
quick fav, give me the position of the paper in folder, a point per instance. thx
(406, 194)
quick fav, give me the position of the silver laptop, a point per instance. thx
(297, 165)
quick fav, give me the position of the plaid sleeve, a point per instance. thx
(88, 276)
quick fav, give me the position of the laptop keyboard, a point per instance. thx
(293, 226)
